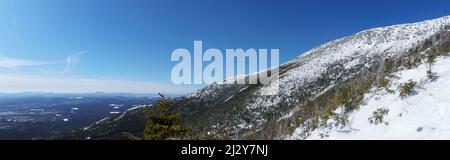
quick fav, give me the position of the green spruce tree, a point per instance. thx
(163, 124)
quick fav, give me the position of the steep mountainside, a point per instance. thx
(423, 115)
(333, 77)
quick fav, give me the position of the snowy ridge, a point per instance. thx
(351, 51)
(368, 43)
(365, 44)
(130, 109)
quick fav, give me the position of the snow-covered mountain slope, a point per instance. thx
(329, 78)
(306, 78)
(424, 115)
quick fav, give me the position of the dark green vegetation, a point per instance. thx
(378, 116)
(162, 124)
(431, 59)
(131, 126)
(407, 89)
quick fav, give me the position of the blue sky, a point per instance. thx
(125, 45)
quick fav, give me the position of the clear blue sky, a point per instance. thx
(63, 45)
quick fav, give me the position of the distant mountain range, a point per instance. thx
(41, 115)
(21, 94)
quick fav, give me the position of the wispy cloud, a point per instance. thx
(14, 63)
(72, 61)
(62, 84)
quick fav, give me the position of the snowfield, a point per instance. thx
(425, 115)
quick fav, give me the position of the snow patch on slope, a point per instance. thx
(425, 115)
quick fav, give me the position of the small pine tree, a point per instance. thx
(384, 83)
(378, 116)
(390, 65)
(345, 94)
(431, 59)
(417, 60)
(163, 124)
(407, 88)
(409, 64)
(432, 76)
(334, 101)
